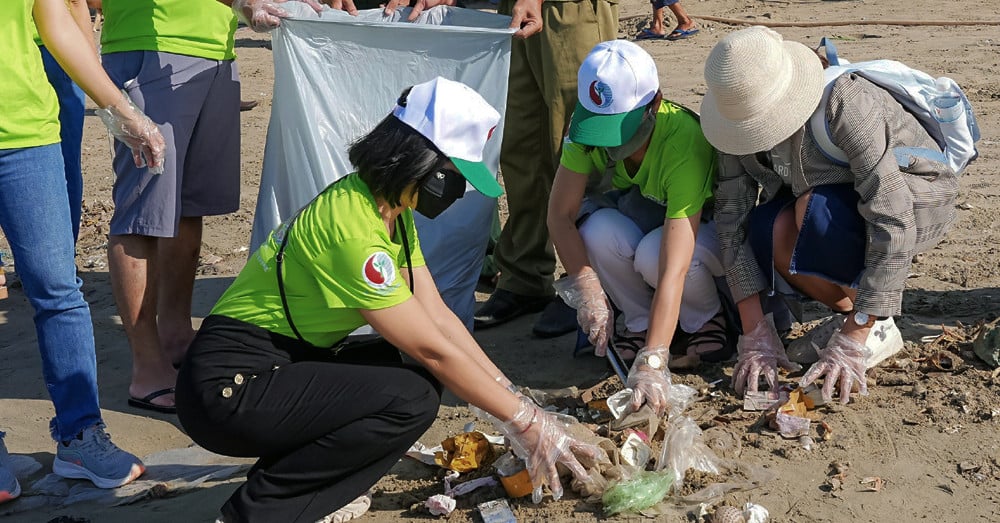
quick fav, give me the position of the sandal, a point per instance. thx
(714, 342)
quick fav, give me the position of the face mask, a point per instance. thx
(642, 133)
(440, 191)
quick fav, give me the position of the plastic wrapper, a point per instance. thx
(841, 362)
(584, 293)
(642, 491)
(463, 452)
(336, 76)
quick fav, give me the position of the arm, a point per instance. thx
(676, 251)
(444, 358)
(81, 15)
(526, 15)
(450, 326)
(567, 193)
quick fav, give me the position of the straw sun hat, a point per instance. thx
(761, 89)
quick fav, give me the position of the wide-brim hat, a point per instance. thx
(458, 121)
(615, 82)
(761, 89)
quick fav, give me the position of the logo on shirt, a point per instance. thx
(600, 94)
(379, 271)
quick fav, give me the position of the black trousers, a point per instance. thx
(325, 426)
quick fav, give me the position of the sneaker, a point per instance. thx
(884, 340)
(91, 455)
(349, 511)
(803, 350)
(9, 487)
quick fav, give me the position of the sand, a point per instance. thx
(930, 434)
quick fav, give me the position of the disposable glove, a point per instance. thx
(760, 351)
(649, 379)
(541, 440)
(584, 293)
(133, 128)
(264, 15)
(843, 360)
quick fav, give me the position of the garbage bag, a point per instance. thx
(336, 76)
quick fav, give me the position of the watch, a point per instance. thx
(654, 361)
(863, 319)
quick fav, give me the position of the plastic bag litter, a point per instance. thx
(684, 448)
(640, 492)
(337, 75)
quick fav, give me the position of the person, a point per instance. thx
(647, 243)
(844, 236)
(35, 219)
(685, 28)
(71, 107)
(351, 257)
(541, 95)
(175, 58)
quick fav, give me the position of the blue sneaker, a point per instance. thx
(9, 487)
(91, 455)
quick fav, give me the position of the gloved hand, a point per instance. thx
(264, 15)
(760, 351)
(537, 437)
(649, 379)
(584, 293)
(133, 128)
(843, 359)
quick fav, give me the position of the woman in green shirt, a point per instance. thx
(267, 375)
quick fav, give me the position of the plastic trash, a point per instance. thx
(640, 492)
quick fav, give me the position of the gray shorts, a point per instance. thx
(196, 104)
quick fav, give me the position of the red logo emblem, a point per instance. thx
(378, 270)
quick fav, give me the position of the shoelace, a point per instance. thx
(102, 441)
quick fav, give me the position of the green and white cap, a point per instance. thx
(458, 121)
(614, 84)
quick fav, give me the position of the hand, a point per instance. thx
(343, 5)
(584, 293)
(526, 17)
(649, 384)
(842, 360)
(418, 7)
(760, 351)
(537, 437)
(264, 15)
(133, 128)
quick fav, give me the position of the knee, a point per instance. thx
(607, 232)
(647, 259)
(425, 398)
(785, 234)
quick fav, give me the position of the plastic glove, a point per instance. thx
(760, 351)
(584, 293)
(133, 128)
(842, 360)
(537, 437)
(649, 385)
(264, 15)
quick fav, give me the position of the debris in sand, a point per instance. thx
(872, 484)
(496, 511)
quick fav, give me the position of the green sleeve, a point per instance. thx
(360, 274)
(576, 158)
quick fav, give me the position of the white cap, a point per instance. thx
(615, 82)
(458, 121)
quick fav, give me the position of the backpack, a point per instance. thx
(938, 104)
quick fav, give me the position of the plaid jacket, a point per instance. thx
(907, 200)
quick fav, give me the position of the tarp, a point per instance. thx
(336, 76)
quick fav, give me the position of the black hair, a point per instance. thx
(394, 156)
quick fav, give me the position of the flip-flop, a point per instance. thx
(146, 402)
(647, 34)
(681, 34)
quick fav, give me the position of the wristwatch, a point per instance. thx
(863, 319)
(653, 361)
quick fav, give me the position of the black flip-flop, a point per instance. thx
(146, 402)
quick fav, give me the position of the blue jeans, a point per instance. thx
(71, 107)
(36, 220)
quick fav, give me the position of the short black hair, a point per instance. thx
(394, 156)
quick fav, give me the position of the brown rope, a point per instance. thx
(734, 21)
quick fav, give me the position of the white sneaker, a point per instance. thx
(883, 341)
(803, 349)
(349, 511)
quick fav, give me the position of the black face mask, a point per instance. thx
(440, 191)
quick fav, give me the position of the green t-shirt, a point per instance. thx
(29, 110)
(199, 28)
(678, 170)
(339, 260)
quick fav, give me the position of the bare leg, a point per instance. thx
(786, 232)
(177, 262)
(656, 25)
(684, 22)
(133, 266)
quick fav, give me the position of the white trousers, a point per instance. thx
(627, 262)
